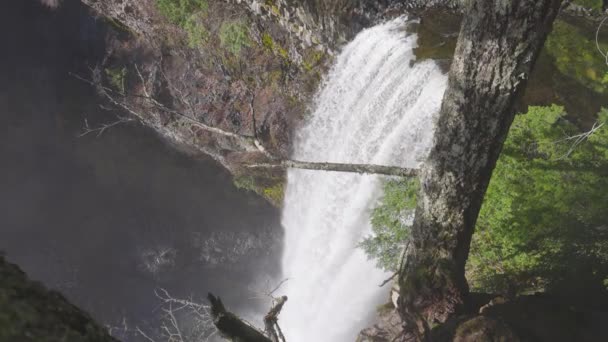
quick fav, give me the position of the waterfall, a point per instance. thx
(374, 107)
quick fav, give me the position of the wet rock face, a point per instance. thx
(231, 65)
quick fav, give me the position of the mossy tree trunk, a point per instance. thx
(498, 44)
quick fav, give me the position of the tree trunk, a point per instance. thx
(498, 44)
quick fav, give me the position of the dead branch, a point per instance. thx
(340, 167)
(271, 320)
(580, 138)
(278, 286)
(386, 281)
(269, 293)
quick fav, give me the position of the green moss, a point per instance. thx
(274, 47)
(244, 182)
(275, 194)
(234, 36)
(116, 77)
(267, 41)
(312, 59)
(282, 52)
(196, 31)
(270, 187)
(275, 10)
(576, 55)
(179, 11)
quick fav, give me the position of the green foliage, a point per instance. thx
(234, 35)
(267, 41)
(116, 77)
(197, 33)
(273, 189)
(179, 11)
(543, 219)
(312, 59)
(275, 194)
(274, 47)
(542, 225)
(576, 55)
(273, 7)
(244, 182)
(189, 15)
(593, 4)
(391, 222)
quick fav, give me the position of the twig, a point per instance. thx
(386, 281)
(102, 128)
(580, 138)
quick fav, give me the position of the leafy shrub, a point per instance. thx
(391, 221)
(197, 33)
(234, 35)
(576, 55)
(543, 219)
(179, 11)
(542, 224)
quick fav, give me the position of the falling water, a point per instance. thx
(376, 106)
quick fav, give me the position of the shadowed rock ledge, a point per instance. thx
(30, 312)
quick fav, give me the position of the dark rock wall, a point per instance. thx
(30, 312)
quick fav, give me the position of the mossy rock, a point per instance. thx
(270, 185)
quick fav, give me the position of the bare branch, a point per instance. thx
(340, 167)
(278, 286)
(580, 138)
(102, 128)
(386, 281)
(139, 331)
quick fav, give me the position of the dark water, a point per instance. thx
(89, 215)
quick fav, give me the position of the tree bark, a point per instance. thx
(498, 44)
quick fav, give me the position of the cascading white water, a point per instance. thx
(375, 107)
